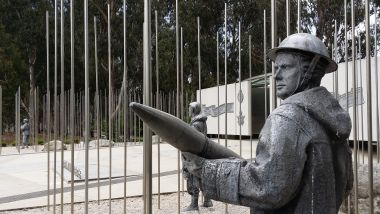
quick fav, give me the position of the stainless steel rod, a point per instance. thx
(299, 16)
(274, 40)
(287, 17)
(181, 78)
(48, 107)
(250, 80)
(125, 112)
(369, 106)
(199, 63)
(158, 107)
(98, 129)
(225, 86)
(217, 82)
(354, 107)
(377, 91)
(86, 89)
(110, 94)
(61, 120)
(147, 134)
(55, 101)
(181, 93)
(177, 100)
(240, 92)
(72, 98)
(336, 89)
(346, 80)
(225, 74)
(1, 118)
(265, 67)
(361, 106)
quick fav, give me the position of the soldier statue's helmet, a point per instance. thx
(195, 107)
(305, 42)
(25, 120)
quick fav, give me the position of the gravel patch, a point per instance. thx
(135, 205)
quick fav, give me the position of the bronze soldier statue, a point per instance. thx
(303, 162)
(198, 121)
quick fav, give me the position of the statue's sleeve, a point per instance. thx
(272, 179)
(197, 125)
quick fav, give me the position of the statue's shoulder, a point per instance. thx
(290, 110)
(294, 113)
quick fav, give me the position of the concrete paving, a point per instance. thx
(24, 176)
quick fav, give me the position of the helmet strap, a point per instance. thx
(308, 74)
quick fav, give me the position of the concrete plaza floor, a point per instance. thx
(24, 176)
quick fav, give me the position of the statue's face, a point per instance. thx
(191, 112)
(288, 74)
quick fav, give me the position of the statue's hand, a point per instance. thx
(193, 163)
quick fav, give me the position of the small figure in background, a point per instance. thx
(198, 121)
(25, 133)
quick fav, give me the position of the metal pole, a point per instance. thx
(287, 17)
(361, 106)
(199, 63)
(354, 109)
(125, 124)
(225, 72)
(98, 129)
(181, 80)
(369, 106)
(299, 16)
(217, 81)
(61, 120)
(336, 59)
(181, 101)
(346, 71)
(147, 134)
(250, 76)
(86, 89)
(158, 107)
(274, 40)
(377, 89)
(47, 107)
(72, 98)
(177, 100)
(345, 51)
(55, 100)
(265, 67)
(1, 119)
(109, 106)
(240, 92)
(225, 82)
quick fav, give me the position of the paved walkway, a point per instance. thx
(24, 176)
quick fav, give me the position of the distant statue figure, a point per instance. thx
(25, 133)
(198, 121)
